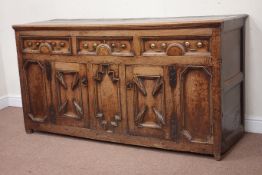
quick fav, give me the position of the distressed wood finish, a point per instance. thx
(171, 83)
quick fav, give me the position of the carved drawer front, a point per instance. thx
(169, 46)
(148, 98)
(46, 45)
(105, 46)
(196, 104)
(106, 98)
(70, 87)
(37, 90)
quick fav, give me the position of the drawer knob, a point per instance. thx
(152, 45)
(62, 44)
(53, 44)
(37, 44)
(85, 45)
(199, 44)
(29, 43)
(113, 45)
(123, 46)
(163, 45)
(94, 45)
(187, 44)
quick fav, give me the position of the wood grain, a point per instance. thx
(173, 83)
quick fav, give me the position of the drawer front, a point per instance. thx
(174, 46)
(47, 45)
(105, 46)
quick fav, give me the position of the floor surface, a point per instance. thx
(50, 154)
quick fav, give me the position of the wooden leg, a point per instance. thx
(29, 131)
(217, 156)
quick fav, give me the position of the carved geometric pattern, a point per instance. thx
(140, 85)
(32, 114)
(63, 105)
(104, 70)
(185, 132)
(140, 116)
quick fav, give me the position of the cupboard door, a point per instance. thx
(37, 90)
(149, 103)
(70, 94)
(196, 104)
(107, 106)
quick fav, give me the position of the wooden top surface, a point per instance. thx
(131, 23)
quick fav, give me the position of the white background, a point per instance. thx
(23, 11)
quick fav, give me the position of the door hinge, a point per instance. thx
(172, 76)
(52, 114)
(84, 81)
(48, 69)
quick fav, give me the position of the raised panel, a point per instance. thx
(71, 93)
(37, 90)
(107, 102)
(196, 104)
(147, 114)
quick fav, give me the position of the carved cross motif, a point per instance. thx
(140, 116)
(69, 90)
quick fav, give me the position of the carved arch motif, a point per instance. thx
(196, 102)
(35, 74)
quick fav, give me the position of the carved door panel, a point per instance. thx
(70, 87)
(107, 107)
(196, 104)
(36, 77)
(149, 102)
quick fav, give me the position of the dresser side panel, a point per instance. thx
(233, 86)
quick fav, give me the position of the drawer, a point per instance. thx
(47, 45)
(105, 46)
(171, 46)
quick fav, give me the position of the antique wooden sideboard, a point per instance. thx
(170, 83)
